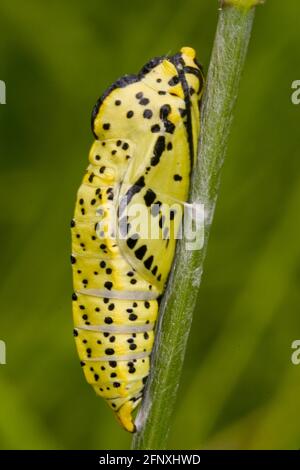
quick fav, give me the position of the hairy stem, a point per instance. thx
(227, 60)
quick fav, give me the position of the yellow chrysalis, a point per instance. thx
(146, 130)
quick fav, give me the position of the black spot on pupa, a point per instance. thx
(131, 242)
(140, 252)
(149, 197)
(132, 317)
(144, 101)
(158, 150)
(148, 262)
(169, 127)
(164, 111)
(108, 320)
(154, 270)
(173, 81)
(161, 221)
(147, 114)
(135, 189)
(155, 128)
(109, 351)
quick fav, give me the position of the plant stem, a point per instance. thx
(227, 60)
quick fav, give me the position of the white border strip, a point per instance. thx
(123, 295)
(125, 357)
(117, 329)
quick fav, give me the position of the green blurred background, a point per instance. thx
(239, 388)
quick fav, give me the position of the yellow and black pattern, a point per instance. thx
(146, 128)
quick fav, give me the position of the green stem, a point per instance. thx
(228, 56)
